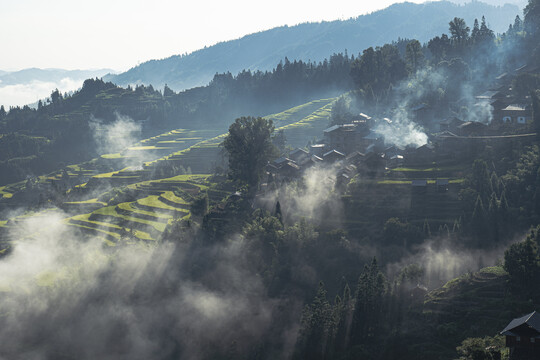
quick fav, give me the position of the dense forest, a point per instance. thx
(421, 251)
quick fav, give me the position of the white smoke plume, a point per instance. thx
(312, 197)
(402, 131)
(117, 137)
(444, 260)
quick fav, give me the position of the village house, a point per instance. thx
(450, 124)
(422, 113)
(421, 155)
(317, 149)
(472, 128)
(299, 155)
(523, 337)
(333, 156)
(355, 158)
(515, 114)
(346, 137)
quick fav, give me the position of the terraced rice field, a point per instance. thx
(145, 219)
(300, 125)
(158, 202)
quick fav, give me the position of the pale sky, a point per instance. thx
(119, 34)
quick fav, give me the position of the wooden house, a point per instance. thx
(472, 128)
(317, 149)
(333, 156)
(299, 155)
(343, 137)
(516, 114)
(450, 124)
(523, 337)
(355, 158)
(421, 155)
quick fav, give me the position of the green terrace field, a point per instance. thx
(452, 171)
(158, 203)
(300, 125)
(309, 127)
(158, 199)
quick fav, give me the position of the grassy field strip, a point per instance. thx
(4, 193)
(152, 201)
(127, 207)
(110, 212)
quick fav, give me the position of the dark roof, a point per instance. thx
(487, 95)
(355, 155)
(441, 182)
(470, 124)
(281, 160)
(532, 320)
(427, 146)
(343, 127)
(516, 107)
(419, 182)
(332, 128)
(394, 147)
(372, 136)
(298, 150)
(446, 133)
(331, 152)
(451, 120)
(291, 165)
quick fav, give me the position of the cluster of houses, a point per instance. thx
(359, 148)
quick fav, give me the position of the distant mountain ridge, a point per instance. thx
(313, 41)
(47, 75)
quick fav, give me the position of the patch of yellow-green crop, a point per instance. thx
(111, 211)
(149, 147)
(322, 114)
(169, 195)
(142, 235)
(5, 194)
(153, 201)
(97, 230)
(106, 175)
(128, 207)
(86, 218)
(113, 156)
(494, 270)
(297, 113)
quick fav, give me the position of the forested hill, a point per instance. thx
(312, 41)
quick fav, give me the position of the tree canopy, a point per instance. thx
(249, 146)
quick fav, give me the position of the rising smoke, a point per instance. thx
(116, 138)
(313, 197)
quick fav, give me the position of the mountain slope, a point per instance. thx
(312, 41)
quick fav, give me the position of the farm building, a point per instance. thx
(515, 114)
(523, 337)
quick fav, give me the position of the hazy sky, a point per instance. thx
(118, 34)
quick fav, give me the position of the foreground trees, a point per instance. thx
(249, 146)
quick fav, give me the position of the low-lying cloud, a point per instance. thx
(65, 296)
(32, 92)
